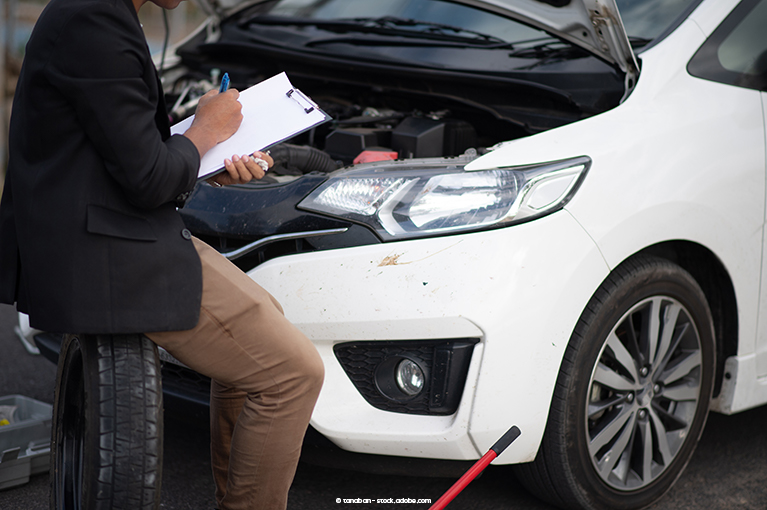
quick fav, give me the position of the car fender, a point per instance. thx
(665, 170)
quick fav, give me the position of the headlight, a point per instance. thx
(418, 198)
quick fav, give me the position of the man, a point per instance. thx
(91, 240)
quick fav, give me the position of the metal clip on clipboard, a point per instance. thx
(299, 97)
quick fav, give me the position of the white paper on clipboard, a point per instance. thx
(273, 111)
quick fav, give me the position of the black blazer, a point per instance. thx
(90, 237)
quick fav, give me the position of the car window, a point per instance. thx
(736, 53)
(648, 19)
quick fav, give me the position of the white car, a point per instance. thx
(549, 214)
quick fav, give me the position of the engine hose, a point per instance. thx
(306, 159)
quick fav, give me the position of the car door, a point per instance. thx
(736, 55)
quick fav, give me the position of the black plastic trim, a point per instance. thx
(445, 364)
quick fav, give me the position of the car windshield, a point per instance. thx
(435, 16)
(644, 19)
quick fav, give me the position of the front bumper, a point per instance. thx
(518, 290)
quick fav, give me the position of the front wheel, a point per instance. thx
(106, 449)
(633, 392)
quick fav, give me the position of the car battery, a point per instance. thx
(25, 439)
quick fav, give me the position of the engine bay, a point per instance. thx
(390, 98)
(365, 127)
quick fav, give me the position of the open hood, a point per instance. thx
(594, 25)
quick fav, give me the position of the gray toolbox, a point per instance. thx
(25, 439)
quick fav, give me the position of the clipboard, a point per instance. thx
(272, 111)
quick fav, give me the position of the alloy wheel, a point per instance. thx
(643, 393)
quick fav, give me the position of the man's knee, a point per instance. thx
(312, 370)
(306, 374)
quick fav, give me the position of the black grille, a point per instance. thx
(445, 377)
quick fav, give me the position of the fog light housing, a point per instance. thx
(409, 377)
(401, 378)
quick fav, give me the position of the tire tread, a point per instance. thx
(127, 420)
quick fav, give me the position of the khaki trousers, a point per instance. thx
(266, 377)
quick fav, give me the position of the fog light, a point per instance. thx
(410, 377)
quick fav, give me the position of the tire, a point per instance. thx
(106, 449)
(631, 402)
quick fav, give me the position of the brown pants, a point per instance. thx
(266, 377)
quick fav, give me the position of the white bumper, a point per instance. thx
(520, 290)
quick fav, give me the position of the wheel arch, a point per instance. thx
(558, 473)
(712, 276)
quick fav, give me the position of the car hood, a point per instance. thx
(594, 25)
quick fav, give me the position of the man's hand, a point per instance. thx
(240, 170)
(218, 116)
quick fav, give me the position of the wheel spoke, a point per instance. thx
(601, 405)
(671, 421)
(684, 366)
(680, 332)
(609, 460)
(632, 343)
(660, 436)
(653, 327)
(611, 430)
(645, 436)
(668, 325)
(623, 356)
(610, 378)
(681, 392)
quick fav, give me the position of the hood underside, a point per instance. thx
(594, 25)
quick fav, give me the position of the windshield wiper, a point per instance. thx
(429, 27)
(389, 25)
(547, 49)
(554, 48)
(390, 40)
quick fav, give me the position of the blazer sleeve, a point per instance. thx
(101, 65)
(9, 248)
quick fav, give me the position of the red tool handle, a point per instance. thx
(477, 468)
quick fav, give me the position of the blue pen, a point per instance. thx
(224, 83)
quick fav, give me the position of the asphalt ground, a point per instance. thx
(728, 470)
